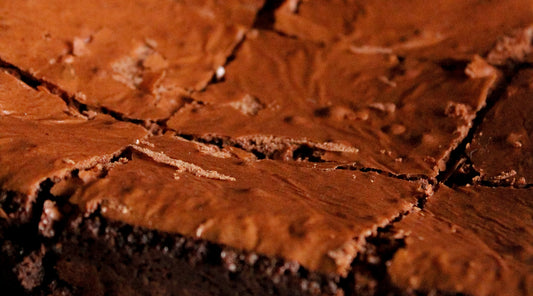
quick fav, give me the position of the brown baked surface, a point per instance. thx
(40, 140)
(472, 240)
(502, 148)
(356, 108)
(180, 147)
(436, 30)
(134, 58)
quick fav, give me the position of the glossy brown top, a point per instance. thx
(502, 148)
(308, 213)
(137, 58)
(438, 29)
(474, 240)
(38, 140)
(399, 116)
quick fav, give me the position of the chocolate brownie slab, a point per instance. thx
(280, 94)
(502, 149)
(471, 240)
(41, 141)
(312, 114)
(312, 215)
(134, 58)
(435, 30)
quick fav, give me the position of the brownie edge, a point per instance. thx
(96, 256)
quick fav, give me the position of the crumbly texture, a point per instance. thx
(180, 147)
(99, 258)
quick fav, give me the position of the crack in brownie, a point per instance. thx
(354, 108)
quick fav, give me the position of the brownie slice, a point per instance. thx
(348, 107)
(304, 223)
(434, 30)
(502, 148)
(470, 240)
(138, 59)
(42, 141)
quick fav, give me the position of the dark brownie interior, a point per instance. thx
(296, 147)
(172, 265)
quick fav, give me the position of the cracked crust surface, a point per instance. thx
(356, 107)
(471, 240)
(111, 58)
(317, 215)
(40, 141)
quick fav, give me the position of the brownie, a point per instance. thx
(319, 215)
(502, 149)
(206, 147)
(438, 30)
(115, 259)
(44, 141)
(105, 54)
(470, 240)
(280, 201)
(319, 218)
(347, 107)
